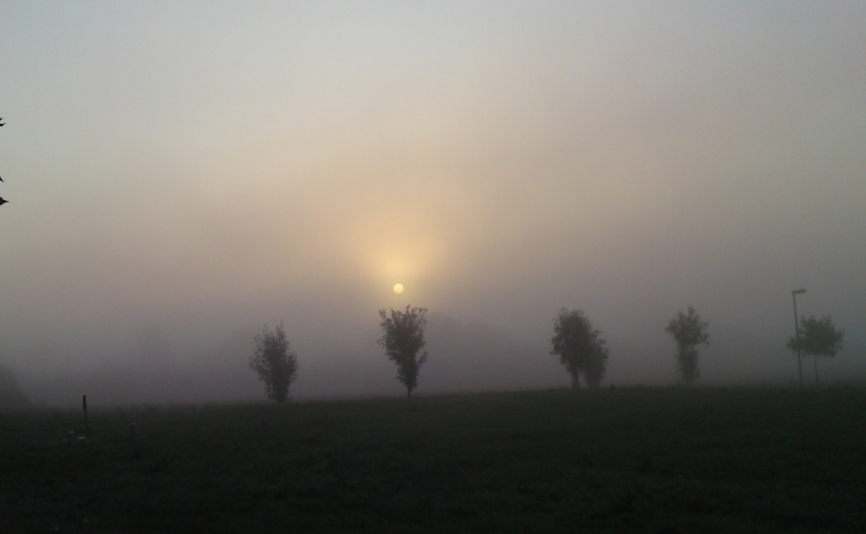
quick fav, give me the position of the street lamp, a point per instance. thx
(797, 333)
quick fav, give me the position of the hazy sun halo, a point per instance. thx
(398, 288)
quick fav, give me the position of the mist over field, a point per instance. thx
(180, 175)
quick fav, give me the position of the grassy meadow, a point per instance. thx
(655, 460)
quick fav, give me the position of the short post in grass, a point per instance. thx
(84, 407)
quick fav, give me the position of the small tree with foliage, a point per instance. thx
(579, 347)
(690, 332)
(276, 365)
(818, 337)
(403, 338)
(596, 365)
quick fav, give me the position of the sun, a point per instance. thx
(398, 288)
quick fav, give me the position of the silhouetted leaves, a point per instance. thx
(817, 337)
(579, 347)
(276, 365)
(403, 337)
(690, 332)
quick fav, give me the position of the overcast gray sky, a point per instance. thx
(199, 169)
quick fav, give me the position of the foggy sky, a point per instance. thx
(189, 172)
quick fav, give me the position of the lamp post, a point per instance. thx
(797, 333)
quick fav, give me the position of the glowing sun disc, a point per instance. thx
(398, 288)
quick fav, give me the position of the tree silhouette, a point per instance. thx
(276, 365)
(403, 337)
(818, 337)
(579, 347)
(690, 332)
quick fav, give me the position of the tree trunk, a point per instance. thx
(408, 393)
(575, 381)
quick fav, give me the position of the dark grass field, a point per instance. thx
(660, 460)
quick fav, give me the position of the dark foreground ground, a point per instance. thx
(623, 460)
